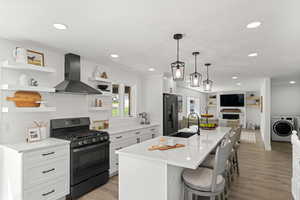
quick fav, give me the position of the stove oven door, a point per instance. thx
(89, 161)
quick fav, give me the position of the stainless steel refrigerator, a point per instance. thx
(170, 118)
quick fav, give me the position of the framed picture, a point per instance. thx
(35, 58)
(100, 124)
(33, 134)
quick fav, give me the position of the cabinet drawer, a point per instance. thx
(127, 135)
(296, 167)
(45, 173)
(153, 129)
(137, 133)
(50, 191)
(32, 159)
(120, 137)
(146, 136)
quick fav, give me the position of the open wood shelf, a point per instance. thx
(231, 110)
(26, 67)
(26, 88)
(29, 109)
(253, 98)
(103, 80)
(99, 109)
(253, 105)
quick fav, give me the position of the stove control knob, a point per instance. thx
(85, 142)
(105, 137)
(80, 143)
(94, 139)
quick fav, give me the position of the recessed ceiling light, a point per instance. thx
(239, 84)
(253, 54)
(151, 69)
(253, 25)
(114, 55)
(234, 77)
(292, 82)
(60, 26)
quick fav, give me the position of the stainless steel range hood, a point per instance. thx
(72, 83)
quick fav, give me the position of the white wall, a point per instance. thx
(285, 99)
(13, 126)
(153, 99)
(266, 114)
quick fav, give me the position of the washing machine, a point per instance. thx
(282, 127)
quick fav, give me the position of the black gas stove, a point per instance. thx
(89, 153)
(85, 137)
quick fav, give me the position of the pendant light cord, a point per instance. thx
(196, 63)
(207, 73)
(177, 49)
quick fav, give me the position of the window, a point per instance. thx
(193, 105)
(127, 101)
(115, 101)
(123, 101)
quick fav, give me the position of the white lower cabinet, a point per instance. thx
(52, 190)
(296, 168)
(126, 139)
(37, 171)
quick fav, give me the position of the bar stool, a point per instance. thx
(210, 160)
(236, 146)
(208, 182)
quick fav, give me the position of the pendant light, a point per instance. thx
(178, 66)
(196, 76)
(207, 84)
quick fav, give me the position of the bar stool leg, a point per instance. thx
(185, 193)
(237, 163)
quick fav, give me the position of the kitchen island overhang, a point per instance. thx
(149, 175)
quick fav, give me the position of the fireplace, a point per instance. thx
(231, 116)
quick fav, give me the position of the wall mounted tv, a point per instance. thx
(232, 100)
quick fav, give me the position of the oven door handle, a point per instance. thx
(89, 147)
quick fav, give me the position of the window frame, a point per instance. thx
(133, 100)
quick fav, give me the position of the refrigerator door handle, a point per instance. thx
(173, 116)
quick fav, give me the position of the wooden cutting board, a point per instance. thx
(166, 147)
(25, 99)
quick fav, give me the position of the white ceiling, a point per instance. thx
(140, 31)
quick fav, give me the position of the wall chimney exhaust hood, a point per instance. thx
(72, 83)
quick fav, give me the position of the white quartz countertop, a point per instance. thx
(46, 143)
(191, 156)
(120, 129)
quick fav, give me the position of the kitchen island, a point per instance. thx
(149, 175)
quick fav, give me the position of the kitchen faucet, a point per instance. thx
(198, 121)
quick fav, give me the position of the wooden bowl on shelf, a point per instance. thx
(207, 115)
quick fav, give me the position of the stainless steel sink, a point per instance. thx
(183, 134)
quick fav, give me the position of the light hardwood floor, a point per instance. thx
(263, 175)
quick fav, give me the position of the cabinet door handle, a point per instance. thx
(138, 140)
(47, 154)
(137, 133)
(46, 194)
(153, 129)
(47, 171)
(153, 135)
(118, 148)
(119, 137)
(117, 164)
